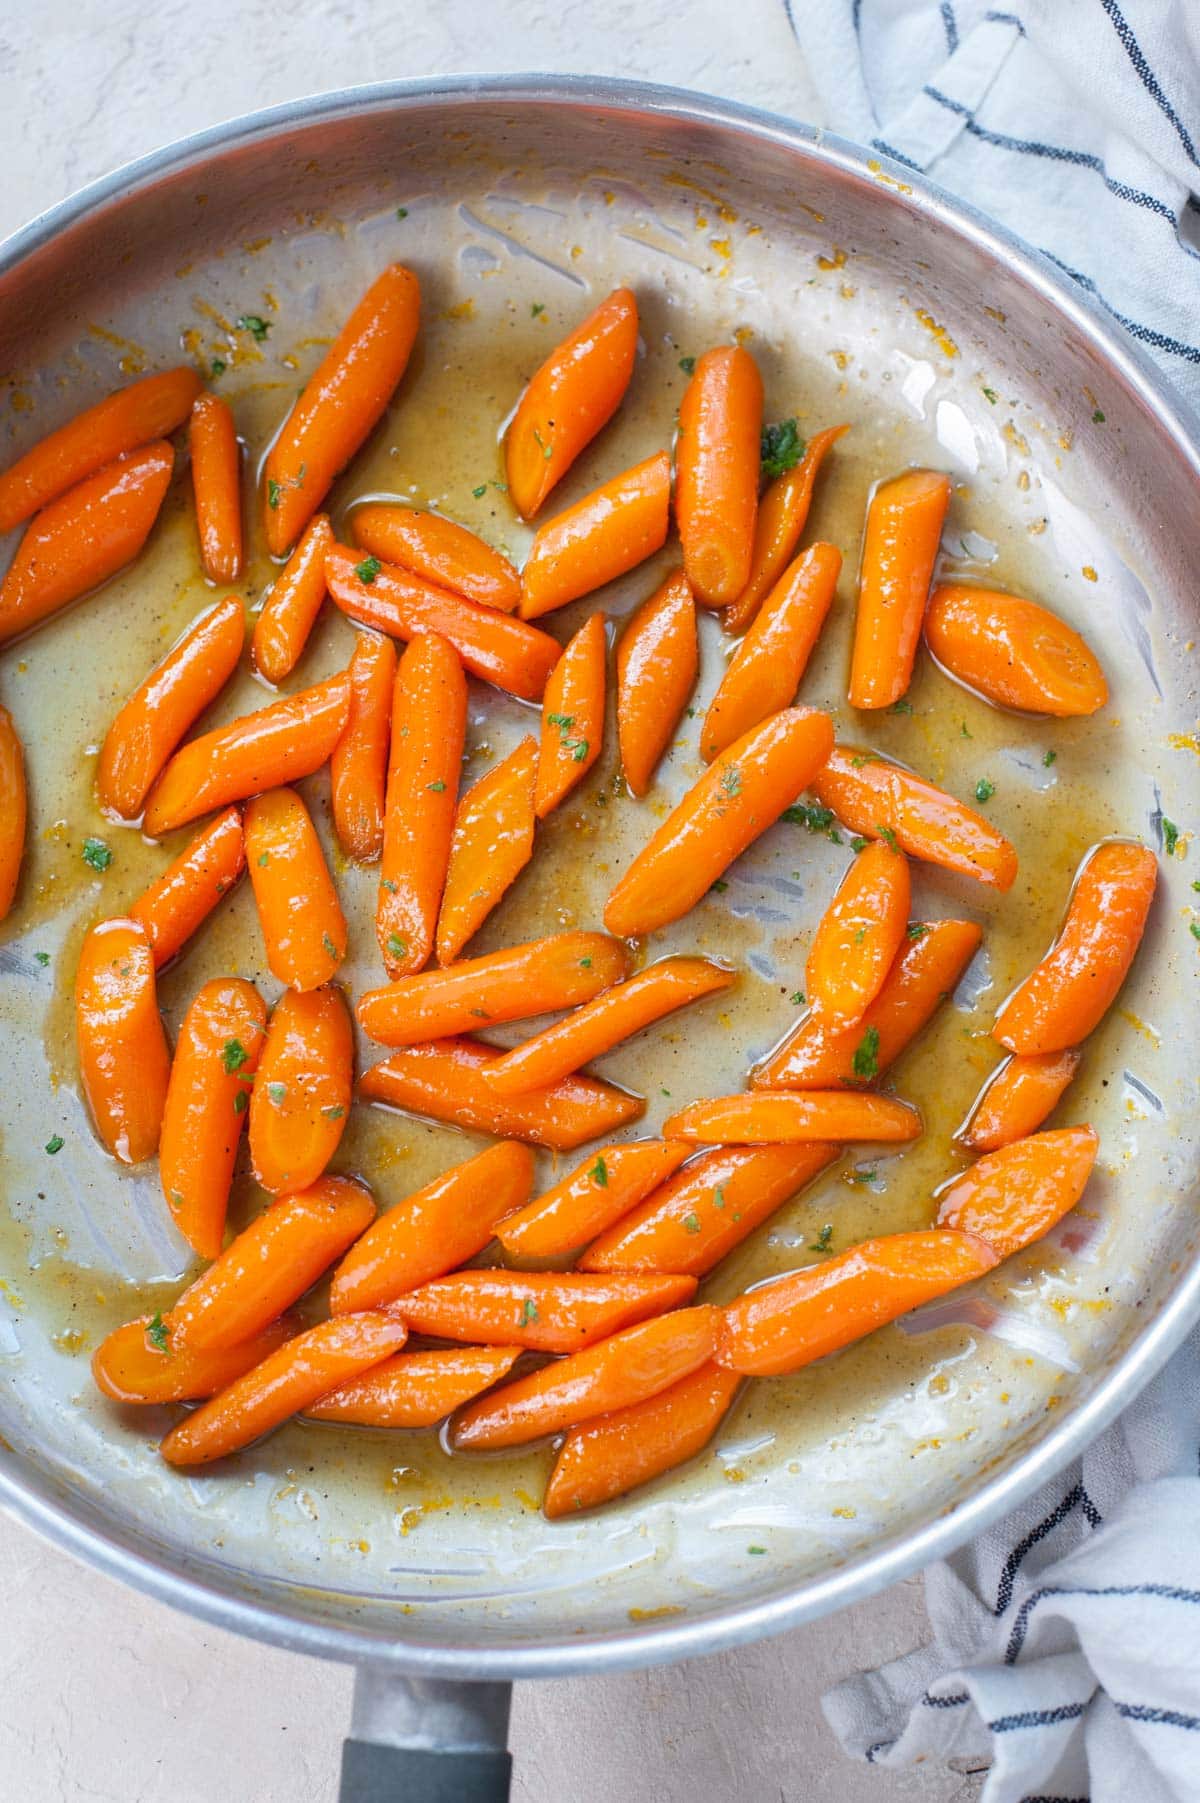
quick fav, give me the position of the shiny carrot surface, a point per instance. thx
(491, 844)
(874, 798)
(290, 608)
(179, 901)
(440, 550)
(782, 513)
(572, 717)
(359, 765)
(602, 536)
(859, 935)
(124, 1063)
(416, 1389)
(904, 529)
(603, 1190)
(144, 1362)
(303, 1089)
(1016, 1099)
(657, 660)
(1013, 652)
(546, 1311)
(217, 484)
(717, 457)
(1015, 1195)
(766, 1117)
(301, 917)
(13, 810)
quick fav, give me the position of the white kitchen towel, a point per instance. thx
(1066, 1643)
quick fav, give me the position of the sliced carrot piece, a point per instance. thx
(657, 660)
(717, 457)
(1069, 992)
(768, 664)
(596, 1027)
(151, 408)
(341, 404)
(288, 1380)
(616, 1453)
(434, 1229)
(495, 647)
(84, 537)
(601, 1191)
(301, 918)
(739, 796)
(768, 1117)
(1016, 1194)
(859, 935)
(216, 1056)
(143, 1362)
(491, 844)
(1016, 1099)
(290, 608)
(358, 767)
(625, 1368)
(1013, 652)
(271, 1264)
(546, 1311)
(444, 1081)
(608, 532)
(904, 529)
(707, 1209)
(789, 1322)
(571, 397)
(163, 707)
(817, 1055)
(178, 902)
(440, 550)
(303, 1089)
(217, 482)
(277, 745)
(416, 1389)
(782, 514)
(14, 808)
(429, 724)
(572, 717)
(124, 1063)
(523, 980)
(874, 798)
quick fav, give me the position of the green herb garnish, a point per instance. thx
(687, 365)
(691, 1223)
(599, 1173)
(217, 367)
(866, 1055)
(255, 325)
(528, 1313)
(277, 1093)
(480, 491)
(233, 1055)
(396, 946)
(780, 448)
(274, 490)
(824, 1239)
(158, 1333)
(368, 569)
(991, 395)
(536, 308)
(887, 835)
(1048, 758)
(55, 1144)
(984, 789)
(916, 929)
(731, 782)
(97, 854)
(1170, 833)
(42, 958)
(330, 948)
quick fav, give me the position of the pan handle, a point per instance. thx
(426, 1740)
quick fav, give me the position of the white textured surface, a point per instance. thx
(106, 1697)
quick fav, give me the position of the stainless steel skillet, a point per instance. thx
(506, 179)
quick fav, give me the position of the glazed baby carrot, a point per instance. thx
(904, 529)
(288, 1380)
(216, 1056)
(445, 1082)
(358, 767)
(84, 537)
(13, 810)
(151, 408)
(603, 1190)
(217, 482)
(875, 798)
(491, 844)
(1071, 990)
(1016, 1099)
(183, 897)
(278, 744)
(433, 1229)
(571, 397)
(270, 1265)
(538, 978)
(1015, 1195)
(739, 796)
(782, 513)
(341, 404)
(785, 1117)
(789, 1322)
(657, 661)
(143, 1363)
(123, 1058)
(616, 1372)
(572, 717)
(593, 1029)
(429, 724)
(546, 1311)
(495, 647)
(440, 550)
(602, 536)
(859, 935)
(817, 1055)
(1013, 652)
(615, 1453)
(163, 707)
(302, 1091)
(707, 1209)
(416, 1389)
(290, 608)
(768, 664)
(717, 457)
(301, 918)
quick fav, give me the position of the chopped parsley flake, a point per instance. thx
(599, 1173)
(385, 882)
(42, 958)
(396, 946)
(368, 569)
(239, 1102)
(984, 789)
(55, 1144)
(97, 854)
(731, 782)
(691, 1223)
(989, 394)
(217, 367)
(687, 365)
(1170, 833)
(903, 706)
(274, 490)
(1097, 418)
(866, 1055)
(964, 733)
(797, 998)
(158, 1333)
(480, 491)
(401, 212)
(1193, 928)
(233, 1055)
(330, 948)
(916, 929)
(536, 308)
(546, 450)
(719, 887)
(756, 1549)
(863, 1176)
(719, 1197)
(528, 1312)
(1049, 758)
(255, 325)
(824, 1239)
(858, 843)
(333, 1113)
(585, 964)
(437, 788)
(780, 448)
(887, 835)
(277, 1092)
(816, 818)
(264, 858)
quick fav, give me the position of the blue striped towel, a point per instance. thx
(1066, 1641)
